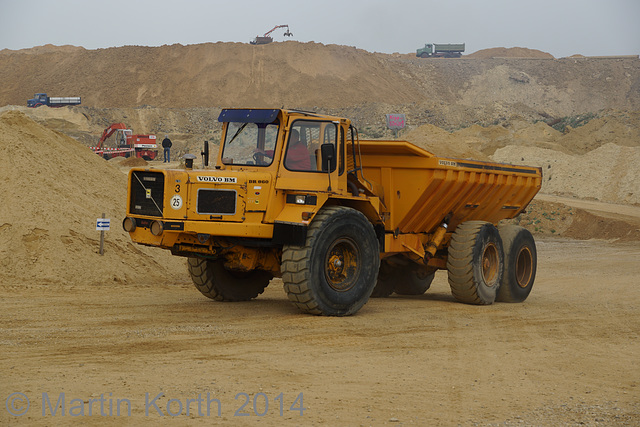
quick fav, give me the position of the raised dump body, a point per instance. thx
(296, 195)
(420, 189)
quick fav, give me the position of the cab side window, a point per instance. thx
(303, 145)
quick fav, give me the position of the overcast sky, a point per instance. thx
(560, 27)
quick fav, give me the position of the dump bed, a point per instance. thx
(419, 189)
(64, 100)
(459, 47)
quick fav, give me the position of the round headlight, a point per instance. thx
(129, 224)
(157, 228)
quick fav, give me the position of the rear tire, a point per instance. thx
(475, 263)
(214, 281)
(520, 263)
(413, 280)
(384, 285)
(335, 272)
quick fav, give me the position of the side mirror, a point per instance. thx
(328, 153)
(205, 154)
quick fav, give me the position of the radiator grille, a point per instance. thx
(147, 190)
(216, 202)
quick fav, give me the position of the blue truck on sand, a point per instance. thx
(42, 99)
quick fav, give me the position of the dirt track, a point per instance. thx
(608, 210)
(568, 355)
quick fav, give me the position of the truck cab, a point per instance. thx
(425, 51)
(38, 100)
(275, 170)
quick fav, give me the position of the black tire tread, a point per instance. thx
(508, 292)
(296, 267)
(410, 283)
(203, 278)
(459, 262)
(384, 285)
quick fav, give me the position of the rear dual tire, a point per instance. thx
(402, 279)
(487, 264)
(520, 265)
(475, 263)
(385, 283)
(414, 281)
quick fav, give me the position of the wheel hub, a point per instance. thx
(341, 265)
(524, 269)
(490, 261)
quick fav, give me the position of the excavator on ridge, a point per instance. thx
(266, 38)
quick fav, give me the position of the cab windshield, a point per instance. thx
(250, 144)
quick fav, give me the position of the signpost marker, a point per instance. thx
(102, 224)
(396, 122)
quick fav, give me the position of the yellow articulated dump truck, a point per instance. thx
(298, 195)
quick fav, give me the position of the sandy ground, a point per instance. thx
(568, 355)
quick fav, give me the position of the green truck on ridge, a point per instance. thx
(433, 50)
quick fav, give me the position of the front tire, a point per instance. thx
(214, 281)
(520, 263)
(335, 272)
(475, 263)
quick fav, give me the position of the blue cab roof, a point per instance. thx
(248, 115)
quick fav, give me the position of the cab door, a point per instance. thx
(301, 167)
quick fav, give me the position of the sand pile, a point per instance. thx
(511, 52)
(600, 160)
(558, 219)
(221, 74)
(316, 76)
(443, 143)
(55, 189)
(607, 127)
(610, 173)
(47, 48)
(133, 162)
(612, 127)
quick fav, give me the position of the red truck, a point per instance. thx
(126, 144)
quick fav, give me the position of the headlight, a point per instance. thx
(129, 224)
(157, 228)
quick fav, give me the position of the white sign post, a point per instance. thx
(103, 224)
